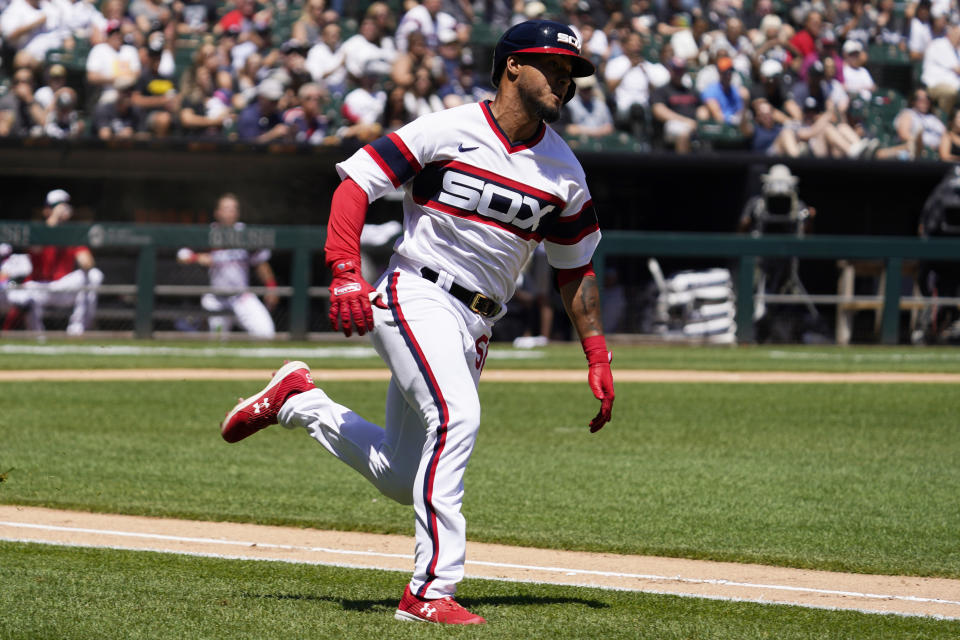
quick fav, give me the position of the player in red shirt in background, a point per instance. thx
(61, 277)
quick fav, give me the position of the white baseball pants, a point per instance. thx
(68, 291)
(435, 348)
(252, 315)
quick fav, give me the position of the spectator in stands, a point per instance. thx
(325, 60)
(363, 108)
(308, 121)
(148, 14)
(587, 113)
(690, 43)
(949, 149)
(918, 129)
(249, 76)
(827, 48)
(204, 113)
(815, 86)
(595, 44)
(427, 18)
(195, 16)
(313, 18)
(822, 138)
(627, 77)
(769, 136)
(382, 15)
(641, 15)
(230, 269)
(56, 79)
(774, 43)
(421, 98)
(293, 69)
(678, 108)
(154, 94)
(723, 100)
(920, 34)
(450, 53)
(59, 276)
(20, 114)
(62, 118)
(806, 40)
(941, 69)
(83, 21)
(707, 74)
(109, 62)
(770, 90)
(856, 77)
(261, 120)
(462, 87)
(117, 119)
(732, 41)
(418, 55)
(857, 22)
(244, 19)
(369, 47)
(33, 27)
(675, 17)
(116, 10)
(889, 25)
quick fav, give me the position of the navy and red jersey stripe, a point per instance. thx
(394, 158)
(572, 229)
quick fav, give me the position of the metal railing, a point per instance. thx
(304, 241)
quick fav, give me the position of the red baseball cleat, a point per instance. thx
(260, 411)
(445, 610)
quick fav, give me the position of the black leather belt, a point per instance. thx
(475, 301)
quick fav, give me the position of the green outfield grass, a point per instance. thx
(845, 477)
(850, 477)
(78, 594)
(357, 352)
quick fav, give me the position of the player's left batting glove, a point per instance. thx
(600, 378)
(350, 299)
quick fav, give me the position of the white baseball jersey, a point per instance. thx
(475, 205)
(230, 268)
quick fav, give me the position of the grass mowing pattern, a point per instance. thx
(558, 355)
(66, 594)
(843, 477)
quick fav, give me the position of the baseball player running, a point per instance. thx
(483, 185)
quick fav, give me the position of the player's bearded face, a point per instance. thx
(541, 106)
(542, 87)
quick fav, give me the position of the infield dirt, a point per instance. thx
(871, 593)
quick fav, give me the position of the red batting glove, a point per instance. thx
(350, 298)
(600, 378)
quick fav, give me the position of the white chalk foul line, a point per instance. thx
(501, 565)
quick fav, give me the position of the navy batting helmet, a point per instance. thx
(541, 36)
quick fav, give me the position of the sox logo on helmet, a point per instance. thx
(541, 36)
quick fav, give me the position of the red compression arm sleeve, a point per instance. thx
(348, 210)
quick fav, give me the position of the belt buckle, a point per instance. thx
(474, 305)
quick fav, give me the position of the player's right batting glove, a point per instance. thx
(600, 378)
(350, 298)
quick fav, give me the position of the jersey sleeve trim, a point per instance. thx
(394, 158)
(570, 230)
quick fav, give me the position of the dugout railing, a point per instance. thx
(304, 241)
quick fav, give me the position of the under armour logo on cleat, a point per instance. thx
(427, 610)
(256, 406)
(462, 148)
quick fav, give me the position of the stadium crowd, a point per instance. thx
(781, 77)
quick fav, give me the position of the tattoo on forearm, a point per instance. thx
(589, 305)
